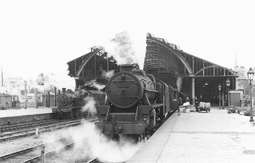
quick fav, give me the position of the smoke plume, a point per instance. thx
(46, 82)
(121, 48)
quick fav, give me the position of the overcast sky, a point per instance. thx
(42, 36)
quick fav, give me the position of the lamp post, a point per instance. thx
(219, 87)
(250, 75)
(228, 84)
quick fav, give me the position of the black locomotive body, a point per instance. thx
(136, 103)
(70, 103)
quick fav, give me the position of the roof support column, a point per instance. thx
(75, 66)
(193, 90)
(203, 67)
(95, 65)
(193, 64)
(107, 63)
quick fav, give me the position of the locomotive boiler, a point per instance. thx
(137, 103)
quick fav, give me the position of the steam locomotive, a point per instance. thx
(137, 104)
(70, 103)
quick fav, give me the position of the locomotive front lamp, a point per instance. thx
(123, 76)
(120, 129)
(250, 75)
(228, 83)
(144, 118)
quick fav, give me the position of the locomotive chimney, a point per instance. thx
(126, 67)
(63, 90)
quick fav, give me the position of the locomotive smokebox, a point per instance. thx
(126, 68)
(63, 90)
(130, 87)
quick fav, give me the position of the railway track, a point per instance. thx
(30, 124)
(93, 160)
(24, 125)
(34, 153)
(41, 153)
(29, 131)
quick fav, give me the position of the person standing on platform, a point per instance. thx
(180, 103)
(7, 103)
(196, 103)
(187, 99)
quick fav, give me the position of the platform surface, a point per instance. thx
(22, 112)
(215, 137)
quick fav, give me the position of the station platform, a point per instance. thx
(12, 116)
(22, 111)
(200, 137)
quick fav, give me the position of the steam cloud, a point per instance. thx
(90, 143)
(90, 105)
(179, 83)
(94, 84)
(107, 74)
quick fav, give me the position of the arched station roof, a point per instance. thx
(91, 65)
(169, 63)
(164, 57)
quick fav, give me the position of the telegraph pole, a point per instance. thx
(25, 84)
(2, 76)
(36, 97)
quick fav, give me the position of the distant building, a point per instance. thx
(3, 90)
(240, 81)
(242, 72)
(11, 85)
(15, 85)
